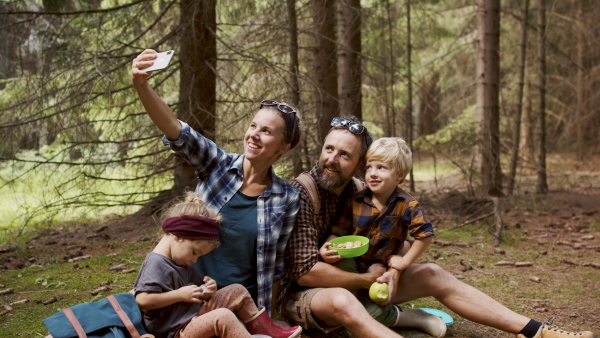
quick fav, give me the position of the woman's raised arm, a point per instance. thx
(161, 114)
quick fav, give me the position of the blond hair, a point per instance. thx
(394, 151)
(191, 204)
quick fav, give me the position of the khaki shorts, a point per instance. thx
(296, 308)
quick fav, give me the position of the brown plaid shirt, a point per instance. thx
(311, 231)
(386, 229)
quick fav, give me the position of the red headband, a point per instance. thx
(192, 227)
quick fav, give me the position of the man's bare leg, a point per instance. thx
(424, 280)
(337, 306)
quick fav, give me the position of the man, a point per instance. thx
(317, 296)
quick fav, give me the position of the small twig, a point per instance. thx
(473, 220)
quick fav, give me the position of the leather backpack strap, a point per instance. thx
(73, 320)
(360, 185)
(309, 184)
(124, 318)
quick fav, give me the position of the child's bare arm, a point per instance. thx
(153, 300)
(329, 256)
(416, 250)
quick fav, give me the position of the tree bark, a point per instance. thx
(294, 74)
(581, 85)
(197, 86)
(429, 108)
(488, 86)
(325, 64)
(392, 103)
(542, 178)
(349, 57)
(514, 159)
(409, 110)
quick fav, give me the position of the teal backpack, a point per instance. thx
(116, 316)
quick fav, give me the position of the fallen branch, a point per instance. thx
(22, 301)
(100, 289)
(7, 291)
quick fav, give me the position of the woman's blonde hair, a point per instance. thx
(392, 150)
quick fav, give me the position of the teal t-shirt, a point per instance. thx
(234, 260)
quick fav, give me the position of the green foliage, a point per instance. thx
(455, 138)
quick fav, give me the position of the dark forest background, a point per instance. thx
(489, 87)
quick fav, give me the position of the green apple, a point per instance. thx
(379, 292)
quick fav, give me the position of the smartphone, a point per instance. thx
(161, 62)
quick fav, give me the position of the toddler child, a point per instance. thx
(176, 301)
(386, 214)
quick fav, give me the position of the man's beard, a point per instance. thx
(331, 182)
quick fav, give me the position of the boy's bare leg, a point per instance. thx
(424, 280)
(337, 306)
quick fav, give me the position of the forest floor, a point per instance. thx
(556, 236)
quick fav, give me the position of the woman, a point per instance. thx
(258, 208)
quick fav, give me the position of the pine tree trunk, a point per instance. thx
(514, 159)
(197, 85)
(581, 85)
(296, 153)
(409, 110)
(349, 58)
(325, 64)
(488, 86)
(542, 178)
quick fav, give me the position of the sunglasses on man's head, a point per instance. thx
(354, 127)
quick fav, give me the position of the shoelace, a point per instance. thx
(550, 326)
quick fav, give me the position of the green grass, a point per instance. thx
(63, 280)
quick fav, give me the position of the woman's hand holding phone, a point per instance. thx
(149, 60)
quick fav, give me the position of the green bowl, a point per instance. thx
(352, 252)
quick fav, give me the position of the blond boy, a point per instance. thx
(386, 214)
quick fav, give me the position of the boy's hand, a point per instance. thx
(391, 277)
(329, 256)
(398, 263)
(190, 293)
(376, 271)
(210, 287)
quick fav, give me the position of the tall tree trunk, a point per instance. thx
(514, 159)
(429, 108)
(542, 178)
(197, 85)
(349, 57)
(294, 74)
(409, 113)
(325, 53)
(488, 86)
(392, 121)
(581, 85)
(528, 147)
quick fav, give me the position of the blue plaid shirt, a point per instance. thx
(220, 176)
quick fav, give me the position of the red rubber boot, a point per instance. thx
(262, 324)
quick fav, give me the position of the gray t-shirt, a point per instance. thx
(160, 274)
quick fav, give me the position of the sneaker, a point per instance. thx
(551, 331)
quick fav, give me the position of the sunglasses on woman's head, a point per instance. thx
(284, 109)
